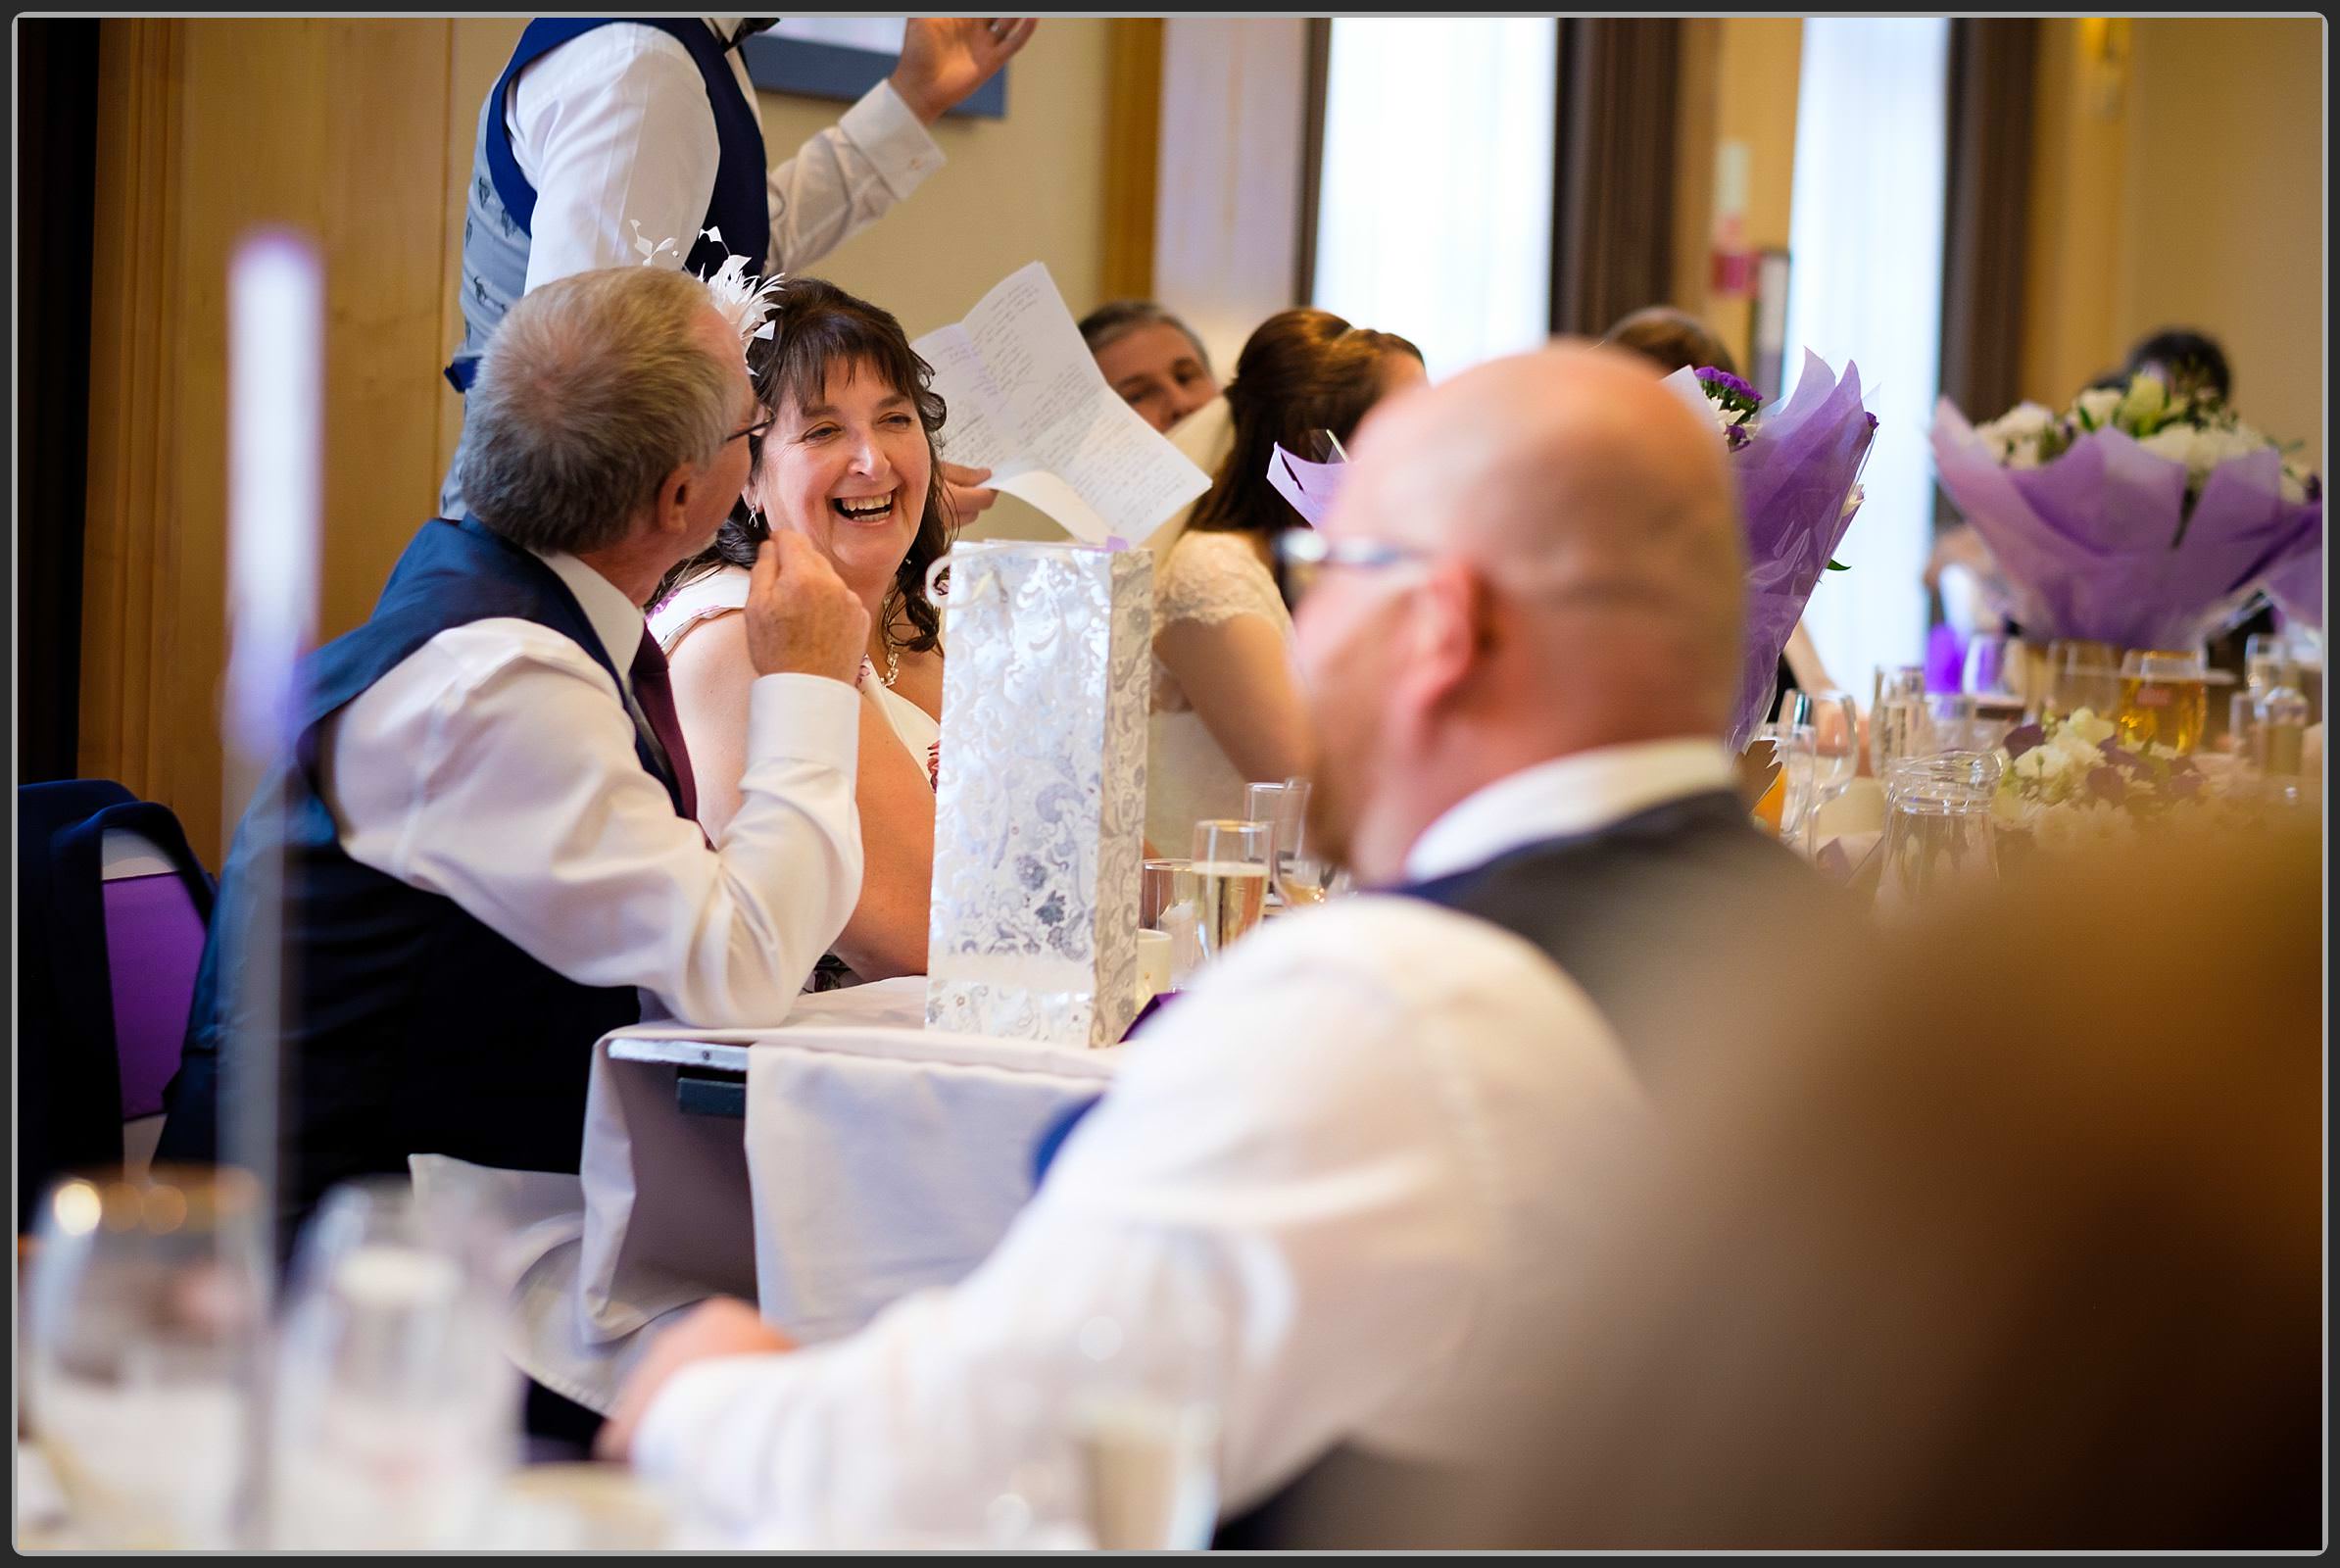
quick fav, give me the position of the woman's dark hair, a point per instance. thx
(2192, 358)
(1304, 371)
(1671, 339)
(817, 326)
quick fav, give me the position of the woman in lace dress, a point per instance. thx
(847, 461)
(1226, 709)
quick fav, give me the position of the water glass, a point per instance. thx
(1230, 873)
(1991, 667)
(2165, 700)
(397, 1414)
(1792, 746)
(1301, 876)
(1938, 832)
(1834, 720)
(1160, 885)
(2242, 727)
(2267, 661)
(2083, 675)
(145, 1324)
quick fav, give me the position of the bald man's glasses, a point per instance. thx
(1303, 554)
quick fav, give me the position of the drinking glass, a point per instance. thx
(1836, 723)
(397, 1414)
(1792, 747)
(1938, 832)
(2242, 726)
(146, 1318)
(1299, 874)
(2267, 661)
(1143, 1411)
(1264, 803)
(2165, 699)
(1160, 885)
(1230, 872)
(2083, 675)
(1897, 717)
(1990, 666)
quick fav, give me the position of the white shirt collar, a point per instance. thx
(615, 619)
(1569, 795)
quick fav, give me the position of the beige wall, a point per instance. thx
(2182, 184)
(1738, 83)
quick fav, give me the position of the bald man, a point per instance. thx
(1336, 1190)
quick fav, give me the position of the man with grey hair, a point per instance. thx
(1337, 1191)
(491, 856)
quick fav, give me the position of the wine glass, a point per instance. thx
(1834, 720)
(146, 1318)
(397, 1414)
(1897, 717)
(1264, 803)
(1230, 872)
(2083, 675)
(1989, 670)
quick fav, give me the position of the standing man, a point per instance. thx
(605, 129)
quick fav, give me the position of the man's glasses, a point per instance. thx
(753, 431)
(1302, 555)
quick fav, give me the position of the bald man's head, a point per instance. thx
(1583, 519)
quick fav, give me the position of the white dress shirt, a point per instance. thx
(1566, 797)
(1362, 1140)
(496, 766)
(616, 126)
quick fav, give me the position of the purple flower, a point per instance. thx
(2106, 785)
(2183, 786)
(2020, 741)
(1729, 383)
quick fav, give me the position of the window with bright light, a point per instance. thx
(1866, 284)
(1435, 204)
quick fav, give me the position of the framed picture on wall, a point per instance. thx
(844, 57)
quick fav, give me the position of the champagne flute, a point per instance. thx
(1230, 871)
(1300, 873)
(1835, 722)
(1264, 803)
(146, 1317)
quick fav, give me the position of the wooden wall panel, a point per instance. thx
(210, 127)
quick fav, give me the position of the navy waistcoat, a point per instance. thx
(408, 1026)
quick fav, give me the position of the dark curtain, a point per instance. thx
(1613, 170)
(56, 195)
(1993, 63)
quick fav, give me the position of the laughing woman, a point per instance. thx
(847, 461)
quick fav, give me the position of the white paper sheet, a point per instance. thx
(1027, 402)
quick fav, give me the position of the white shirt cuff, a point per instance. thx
(806, 719)
(684, 1415)
(898, 148)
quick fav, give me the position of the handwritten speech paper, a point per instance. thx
(1308, 486)
(1027, 402)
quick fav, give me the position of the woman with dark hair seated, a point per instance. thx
(1671, 339)
(846, 459)
(1225, 706)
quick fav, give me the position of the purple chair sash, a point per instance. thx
(154, 941)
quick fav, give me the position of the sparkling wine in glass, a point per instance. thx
(2165, 700)
(1230, 871)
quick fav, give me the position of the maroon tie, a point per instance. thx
(656, 696)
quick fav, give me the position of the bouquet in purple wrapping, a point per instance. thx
(2141, 516)
(1798, 470)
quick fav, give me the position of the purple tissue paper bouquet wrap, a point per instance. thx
(1798, 470)
(2152, 542)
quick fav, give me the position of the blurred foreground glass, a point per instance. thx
(1230, 873)
(145, 1322)
(2267, 661)
(1938, 832)
(2083, 675)
(1144, 1417)
(1297, 875)
(2165, 699)
(397, 1412)
(2243, 735)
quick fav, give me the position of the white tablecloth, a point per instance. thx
(875, 1159)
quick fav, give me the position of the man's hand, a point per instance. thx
(720, 1327)
(943, 58)
(962, 490)
(802, 617)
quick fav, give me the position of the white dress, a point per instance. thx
(1207, 577)
(725, 589)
